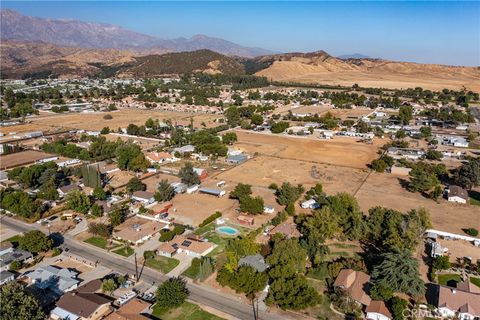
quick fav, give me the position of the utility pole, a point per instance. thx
(136, 267)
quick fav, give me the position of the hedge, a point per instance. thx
(214, 216)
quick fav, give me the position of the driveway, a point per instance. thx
(185, 262)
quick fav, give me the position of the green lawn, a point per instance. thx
(475, 281)
(448, 279)
(97, 242)
(474, 201)
(187, 311)
(191, 272)
(162, 264)
(124, 251)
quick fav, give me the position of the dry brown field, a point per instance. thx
(21, 158)
(381, 189)
(340, 151)
(94, 120)
(152, 182)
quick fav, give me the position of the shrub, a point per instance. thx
(56, 252)
(148, 254)
(179, 229)
(471, 232)
(166, 236)
(107, 117)
(214, 216)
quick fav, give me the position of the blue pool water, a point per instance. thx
(227, 230)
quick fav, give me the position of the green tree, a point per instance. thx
(99, 229)
(379, 165)
(434, 155)
(109, 285)
(96, 210)
(405, 114)
(468, 175)
(165, 192)
(35, 241)
(241, 190)
(426, 132)
(135, 184)
(292, 293)
(233, 116)
(17, 304)
(229, 138)
(99, 193)
(252, 205)
(130, 156)
(441, 263)
(398, 307)
(399, 271)
(117, 216)
(256, 119)
(287, 193)
(172, 293)
(279, 127)
(188, 175)
(78, 201)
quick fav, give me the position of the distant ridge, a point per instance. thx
(354, 56)
(16, 26)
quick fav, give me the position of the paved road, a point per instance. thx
(200, 294)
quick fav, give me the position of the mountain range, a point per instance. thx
(15, 26)
(33, 47)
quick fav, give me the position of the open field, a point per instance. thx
(340, 151)
(152, 182)
(261, 171)
(22, 158)
(381, 189)
(94, 120)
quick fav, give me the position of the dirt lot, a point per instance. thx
(340, 151)
(121, 118)
(261, 171)
(152, 182)
(382, 189)
(22, 158)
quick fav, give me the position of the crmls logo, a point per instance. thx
(416, 314)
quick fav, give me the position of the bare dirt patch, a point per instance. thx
(340, 151)
(381, 189)
(22, 158)
(121, 118)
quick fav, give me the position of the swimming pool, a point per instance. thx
(227, 230)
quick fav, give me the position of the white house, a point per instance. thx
(377, 310)
(143, 196)
(457, 194)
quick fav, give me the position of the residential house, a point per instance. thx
(202, 173)
(65, 190)
(6, 276)
(85, 303)
(143, 196)
(160, 157)
(58, 280)
(236, 159)
(287, 229)
(135, 309)
(188, 245)
(8, 254)
(256, 261)
(185, 149)
(462, 302)
(457, 194)
(355, 284)
(138, 233)
(377, 310)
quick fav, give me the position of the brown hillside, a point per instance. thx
(319, 67)
(184, 62)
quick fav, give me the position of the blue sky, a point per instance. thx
(428, 32)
